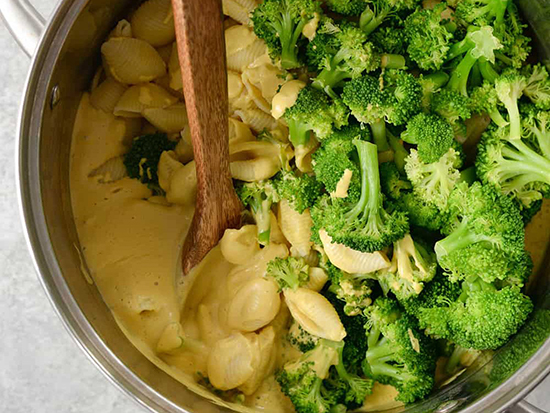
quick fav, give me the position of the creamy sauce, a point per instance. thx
(286, 97)
(310, 29)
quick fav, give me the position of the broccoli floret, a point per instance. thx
(300, 338)
(522, 346)
(427, 37)
(344, 53)
(363, 225)
(519, 167)
(398, 353)
(478, 43)
(389, 39)
(454, 108)
(538, 85)
(482, 318)
(354, 292)
(280, 23)
(516, 45)
(301, 191)
(482, 12)
(289, 273)
(142, 160)
(433, 182)
(347, 7)
(509, 88)
(315, 112)
(338, 154)
(259, 196)
(483, 99)
(378, 11)
(394, 98)
(412, 265)
(391, 182)
(432, 134)
(430, 85)
(485, 236)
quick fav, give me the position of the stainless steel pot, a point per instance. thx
(65, 52)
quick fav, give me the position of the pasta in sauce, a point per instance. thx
(225, 320)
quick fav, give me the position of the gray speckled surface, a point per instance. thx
(41, 368)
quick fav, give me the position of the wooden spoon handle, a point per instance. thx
(201, 49)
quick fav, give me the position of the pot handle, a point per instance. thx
(523, 406)
(24, 23)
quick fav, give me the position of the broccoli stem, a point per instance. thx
(511, 106)
(454, 359)
(468, 175)
(475, 75)
(299, 132)
(379, 135)
(399, 152)
(525, 163)
(437, 79)
(328, 79)
(392, 61)
(487, 70)
(460, 238)
(459, 76)
(288, 36)
(261, 209)
(497, 117)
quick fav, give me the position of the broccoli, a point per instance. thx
(394, 98)
(478, 43)
(509, 88)
(313, 111)
(454, 108)
(363, 225)
(432, 134)
(433, 182)
(301, 190)
(398, 353)
(354, 292)
(460, 357)
(232, 395)
(483, 99)
(285, 153)
(280, 23)
(430, 85)
(482, 12)
(428, 39)
(391, 183)
(516, 45)
(259, 196)
(518, 167)
(300, 339)
(377, 11)
(412, 265)
(485, 236)
(344, 53)
(483, 317)
(141, 161)
(538, 85)
(522, 346)
(289, 273)
(400, 153)
(389, 39)
(336, 155)
(347, 7)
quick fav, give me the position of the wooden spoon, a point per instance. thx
(201, 48)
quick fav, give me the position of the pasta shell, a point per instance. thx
(352, 261)
(266, 361)
(239, 10)
(236, 93)
(276, 235)
(167, 167)
(317, 279)
(174, 69)
(302, 155)
(257, 119)
(254, 305)
(122, 29)
(240, 245)
(296, 228)
(239, 132)
(139, 97)
(132, 60)
(315, 314)
(210, 328)
(255, 95)
(184, 148)
(107, 94)
(111, 171)
(232, 361)
(147, 128)
(242, 47)
(133, 128)
(174, 340)
(254, 160)
(165, 52)
(153, 22)
(183, 186)
(170, 120)
(265, 77)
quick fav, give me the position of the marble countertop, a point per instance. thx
(41, 367)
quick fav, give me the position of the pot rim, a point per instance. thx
(35, 99)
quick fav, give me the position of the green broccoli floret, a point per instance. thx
(280, 143)
(142, 160)
(432, 134)
(354, 292)
(478, 43)
(430, 85)
(300, 338)
(427, 37)
(398, 353)
(344, 53)
(538, 85)
(460, 357)
(389, 39)
(509, 88)
(483, 99)
(363, 225)
(338, 154)
(391, 182)
(412, 265)
(259, 196)
(483, 317)
(315, 112)
(454, 108)
(347, 7)
(516, 45)
(394, 98)
(508, 360)
(433, 182)
(517, 167)
(280, 23)
(300, 190)
(289, 273)
(485, 236)
(378, 11)
(482, 12)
